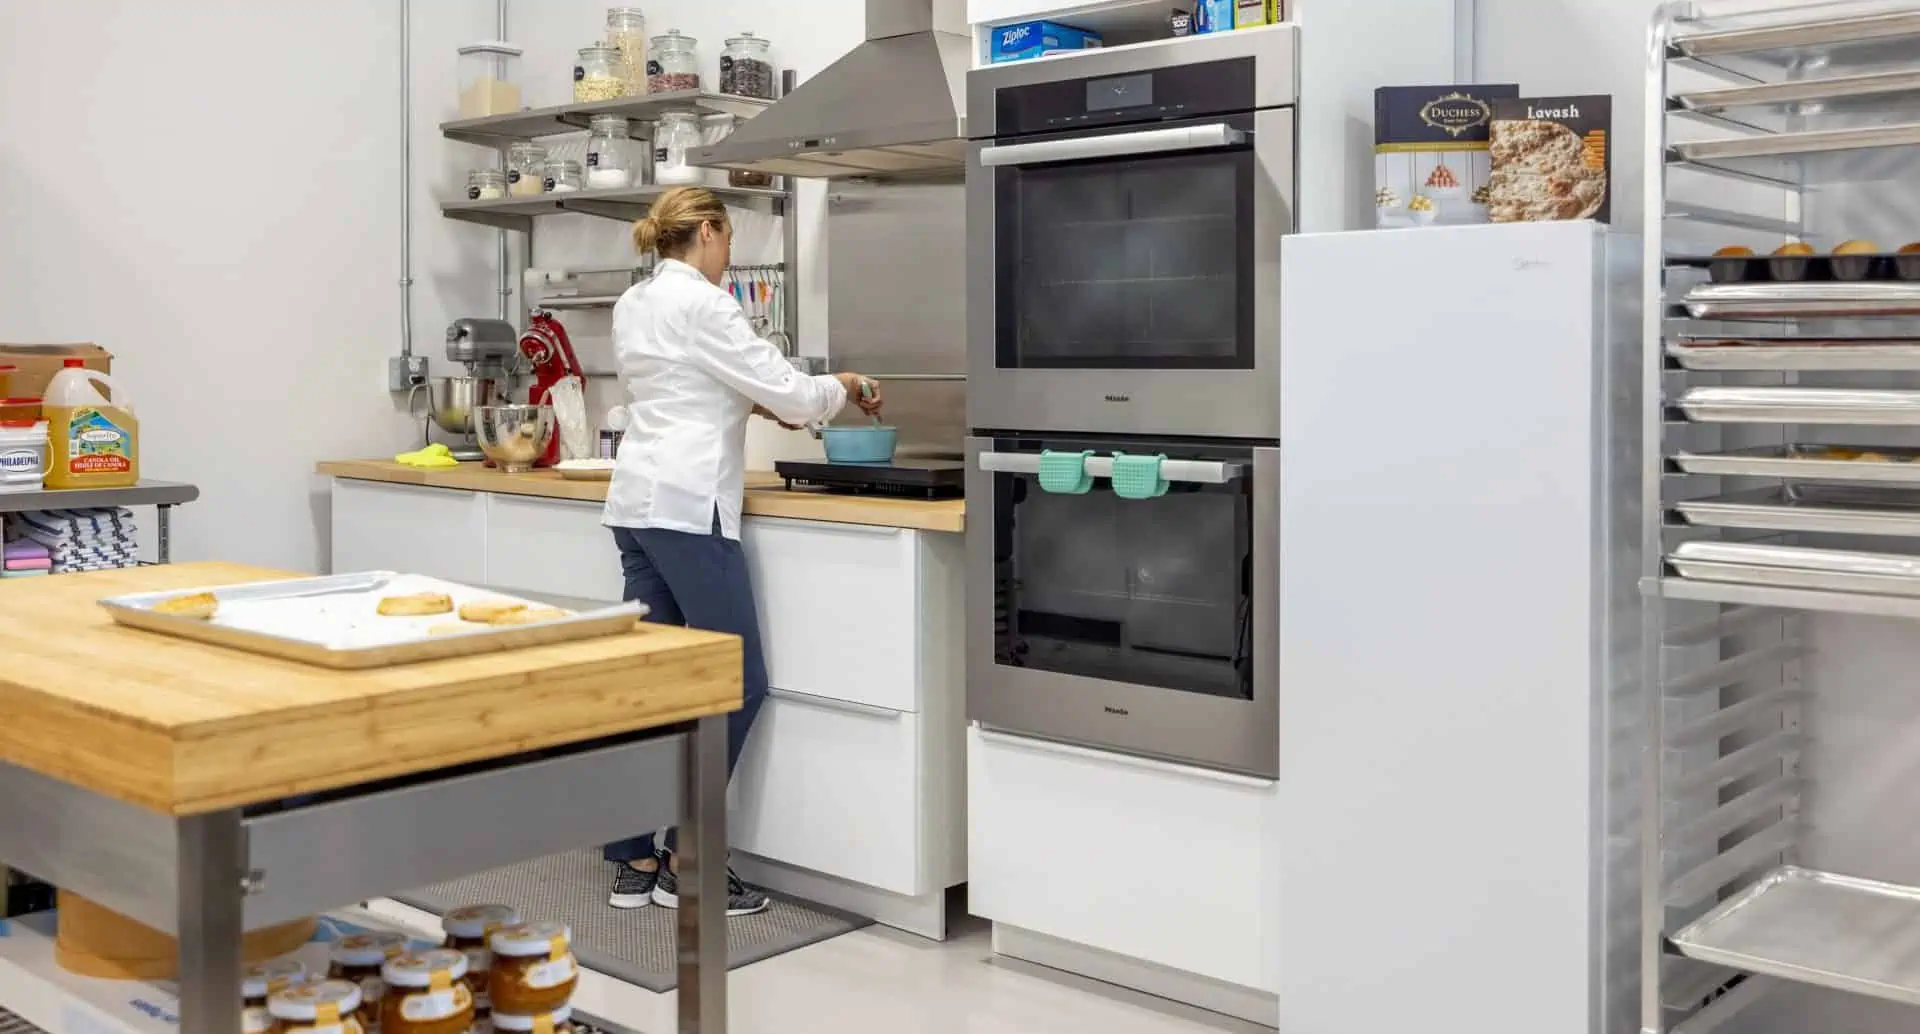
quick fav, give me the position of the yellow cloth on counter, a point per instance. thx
(435, 455)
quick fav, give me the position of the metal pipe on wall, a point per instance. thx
(506, 270)
(406, 178)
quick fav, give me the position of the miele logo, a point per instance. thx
(1121, 711)
(1118, 398)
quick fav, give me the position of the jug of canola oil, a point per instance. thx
(93, 440)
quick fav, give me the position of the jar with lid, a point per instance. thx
(486, 184)
(746, 67)
(526, 169)
(427, 994)
(467, 929)
(262, 982)
(677, 135)
(563, 176)
(488, 85)
(596, 75)
(559, 1021)
(609, 153)
(534, 971)
(321, 1007)
(358, 958)
(627, 33)
(673, 63)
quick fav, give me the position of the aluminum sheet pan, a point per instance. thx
(334, 621)
(1805, 354)
(1855, 935)
(1863, 407)
(1814, 508)
(1788, 145)
(1833, 570)
(1809, 462)
(1835, 299)
(1874, 91)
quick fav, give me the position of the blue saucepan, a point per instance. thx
(859, 444)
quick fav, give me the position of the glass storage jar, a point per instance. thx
(486, 184)
(533, 969)
(559, 1021)
(563, 177)
(677, 134)
(596, 75)
(526, 169)
(427, 994)
(746, 67)
(357, 959)
(488, 85)
(467, 929)
(321, 1007)
(609, 153)
(673, 63)
(627, 33)
(262, 982)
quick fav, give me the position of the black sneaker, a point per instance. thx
(632, 888)
(742, 900)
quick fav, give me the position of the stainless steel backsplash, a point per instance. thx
(896, 303)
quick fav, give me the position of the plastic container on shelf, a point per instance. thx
(486, 184)
(427, 993)
(534, 971)
(526, 169)
(262, 982)
(563, 177)
(467, 929)
(93, 438)
(677, 134)
(627, 33)
(596, 75)
(489, 83)
(673, 63)
(746, 67)
(610, 153)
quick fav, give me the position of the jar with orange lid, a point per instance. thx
(533, 969)
(559, 1021)
(262, 982)
(319, 1007)
(427, 993)
(357, 958)
(467, 929)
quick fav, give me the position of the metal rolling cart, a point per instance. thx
(1781, 482)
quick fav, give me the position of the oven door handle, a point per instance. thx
(1113, 145)
(1204, 472)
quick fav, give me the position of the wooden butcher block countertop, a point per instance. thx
(766, 496)
(183, 727)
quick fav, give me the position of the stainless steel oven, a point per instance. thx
(1145, 625)
(1125, 210)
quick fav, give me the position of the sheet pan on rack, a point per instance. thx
(1783, 353)
(1880, 574)
(1808, 462)
(1833, 300)
(1860, 407)
(1812, 508)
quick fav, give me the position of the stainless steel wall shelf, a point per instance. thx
(518, 213)
(502, 130)
(1813, 158)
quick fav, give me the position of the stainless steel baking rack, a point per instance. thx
(1756, 513)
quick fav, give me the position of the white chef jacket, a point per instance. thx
(694, 369)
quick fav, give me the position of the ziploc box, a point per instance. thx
(1431, 157)
(1032, 39)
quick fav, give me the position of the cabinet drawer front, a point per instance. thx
(430, 531)
(1145, 859)
(833, 787)
(552, 546)
(839, 616)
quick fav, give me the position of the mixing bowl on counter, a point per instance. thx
(514, 437)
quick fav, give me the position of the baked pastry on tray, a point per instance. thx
(416, 605)
(199, 606)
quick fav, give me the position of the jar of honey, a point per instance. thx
(559, 1021)
(262, 982)
(533, 969)
(320, 1007)
(427, 993)
(467, 929)
(357, 958)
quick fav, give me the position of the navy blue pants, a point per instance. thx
(700, 581)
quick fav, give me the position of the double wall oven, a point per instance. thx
(1125, 211)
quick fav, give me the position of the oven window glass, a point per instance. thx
(1151, 592)
(1143, 262)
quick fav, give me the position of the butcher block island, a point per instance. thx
(205, 792)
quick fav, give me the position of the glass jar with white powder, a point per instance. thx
(677, 135)
(610, 151)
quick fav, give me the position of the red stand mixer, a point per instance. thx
(551, 358)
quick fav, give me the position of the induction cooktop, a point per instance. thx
(903, 478)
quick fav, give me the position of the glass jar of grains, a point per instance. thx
(746, 67)
(427, 994)
(322, 1007)
(526, 169)
(677, 134)
(262, 982)
(673, 63)
(596, 75)
(627, 33)
(533, 969)
(609, 153)
(467, 929)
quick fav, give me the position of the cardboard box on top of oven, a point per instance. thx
(1430, 153)
(35, 365)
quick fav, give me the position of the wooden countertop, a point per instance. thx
(765, 497)
(184, 727)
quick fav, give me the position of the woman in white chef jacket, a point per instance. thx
(695, 371)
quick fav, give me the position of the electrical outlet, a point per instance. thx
(406, 372)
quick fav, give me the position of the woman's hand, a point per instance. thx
(765, 412)
(862, 391)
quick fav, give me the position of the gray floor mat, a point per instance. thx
(635, 946)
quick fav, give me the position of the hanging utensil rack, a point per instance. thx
(1752, 519)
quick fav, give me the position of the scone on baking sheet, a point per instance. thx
(199, 606)
(416, 605)
(488, 612)
(530, 616)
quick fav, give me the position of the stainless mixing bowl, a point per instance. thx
(452, 400)
(514, 437)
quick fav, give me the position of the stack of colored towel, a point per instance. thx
(26, 558)
(82, 540)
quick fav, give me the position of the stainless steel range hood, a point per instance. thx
(893, 106)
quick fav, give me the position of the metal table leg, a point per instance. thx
(701, 923)
(212, 881)
(163, 521)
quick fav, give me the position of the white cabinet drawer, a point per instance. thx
(1142, 858)
(430, 531)
(554, 546)
(839, 609)
(832, 786)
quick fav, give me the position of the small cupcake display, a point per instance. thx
(1791, 261)
(1423, 210)
(1855, 260)
(1730, 264)
(1442, 184)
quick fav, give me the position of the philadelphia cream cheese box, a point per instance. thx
(1431, 162)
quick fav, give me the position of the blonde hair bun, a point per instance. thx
(673, 222)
